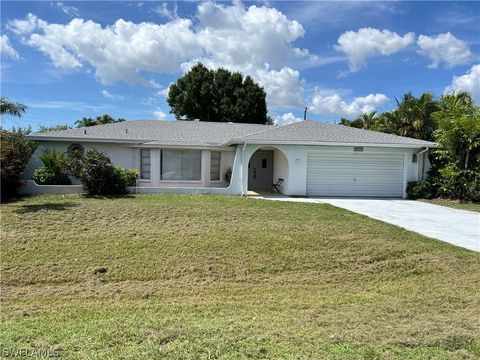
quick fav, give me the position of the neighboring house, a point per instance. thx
(313, 158)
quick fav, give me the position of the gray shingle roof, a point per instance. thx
(188, 133)
(314, 131)
(181, 133)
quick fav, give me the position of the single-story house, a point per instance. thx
(312, 158)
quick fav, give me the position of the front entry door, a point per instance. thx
(260, 170)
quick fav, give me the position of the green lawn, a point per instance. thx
(204, 277)
(455, 204)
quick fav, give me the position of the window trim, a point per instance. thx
(167, 181)
(219, 167)
(150, 164)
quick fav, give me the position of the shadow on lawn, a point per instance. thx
(32, 208)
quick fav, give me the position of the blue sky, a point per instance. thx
(67, 60)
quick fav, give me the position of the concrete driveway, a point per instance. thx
(455, 226)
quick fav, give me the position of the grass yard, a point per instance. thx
(204, 277)
(455, 204)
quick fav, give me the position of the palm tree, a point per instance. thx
(412, 117)
(368, 120)
(11, 108)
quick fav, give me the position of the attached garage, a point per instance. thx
(355, 174)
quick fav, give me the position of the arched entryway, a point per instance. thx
(265, 167)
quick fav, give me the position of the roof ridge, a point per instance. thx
(381, 132)
(274, 127)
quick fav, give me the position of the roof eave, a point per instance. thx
(83, 139)
(330, 143)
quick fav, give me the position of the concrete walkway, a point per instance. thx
(455, 226)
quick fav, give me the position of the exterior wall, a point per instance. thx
(280, 169)
(129, 158)
(226, 162)
(292, 164)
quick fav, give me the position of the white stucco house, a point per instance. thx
(312, 158)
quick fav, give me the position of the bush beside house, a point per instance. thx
(99, 176)
(53, 170)
(15, 152)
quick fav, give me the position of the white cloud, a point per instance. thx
(358, 45)
(159, 114)
(6, 48)
(164, 92)
(284, 88)
(25, 26)
(111, 96)
(444, 48)
(231, 36)
(334, 105)
(287, 118)
(469, 82)
(71, 105)
(69, 10)
(165, 12)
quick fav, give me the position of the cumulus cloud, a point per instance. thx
(444, 48)
(111, 96)
(25, 26)
(334, 105)
(6, 48)
(287, 118)
(284, 88)
(159, 114)
(230, 36)
(358, 45)
(469, 82)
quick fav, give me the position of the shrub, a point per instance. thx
(452, 183)
(53, 170)
(44, 176)
(99, 176)
(420, 190)
(130, 176)
(15, 152)
(448, 182)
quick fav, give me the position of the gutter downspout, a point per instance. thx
(241, 168)
(423, 160)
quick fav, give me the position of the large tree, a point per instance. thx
(99, 120)
(219, 96)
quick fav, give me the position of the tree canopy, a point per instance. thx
(412, 118)
(99, 120)
(11, 108)
(218, 96)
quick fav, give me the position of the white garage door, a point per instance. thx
(357, 174)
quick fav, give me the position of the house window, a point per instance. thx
(181, 165)
(215, 166)
(76, 149)
(145, 163)
(264, 163)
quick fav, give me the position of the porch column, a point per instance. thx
(206, 168)
(154, 167)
